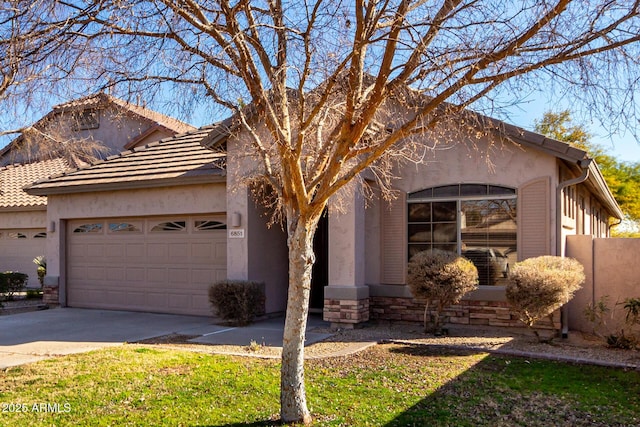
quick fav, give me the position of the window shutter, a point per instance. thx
(534, 223)
(394, 241)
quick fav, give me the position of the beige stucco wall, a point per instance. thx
(611, 270)
(187, 199)
(347, 239)
(267, 257)
(262, 253)
(116, 129)
(507, 165)
(24, 219)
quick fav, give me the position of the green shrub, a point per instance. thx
(539, 286)
(12, 282)
(609, 325)
(440, 276)
(237, 301)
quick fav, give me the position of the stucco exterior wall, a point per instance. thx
(268, 258)
(261, 253)
(611, 270)
(23, 219)
(115, 131)
(477, 162)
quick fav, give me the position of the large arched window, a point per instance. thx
(477, 221)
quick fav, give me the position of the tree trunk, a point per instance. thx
(293, 401)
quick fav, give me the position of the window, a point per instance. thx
(170, 226)
(41, 235)
(89, 228)
(209, 225)
(119, 227)
(477, 221)
(86, 119)
(17, 236)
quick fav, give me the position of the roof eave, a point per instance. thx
(602, 189)
(152, 183)
(24, 208)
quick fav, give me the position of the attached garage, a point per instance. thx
(18, 248)
(141, 231)
(157, 264)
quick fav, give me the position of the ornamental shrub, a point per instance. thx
(442, 277)
(237, 301)
(539, 286)
(12, 282)
(609, 325)
(41, 263)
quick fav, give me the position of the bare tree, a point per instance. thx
(32, 49)
(325, 79)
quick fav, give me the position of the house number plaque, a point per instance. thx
(236, 233)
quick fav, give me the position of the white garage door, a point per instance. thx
(18, 248)
(163, 265)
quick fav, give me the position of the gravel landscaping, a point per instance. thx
(578, 347)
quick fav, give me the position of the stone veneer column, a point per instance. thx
(346, 298)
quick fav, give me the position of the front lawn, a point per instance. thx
(386, 385)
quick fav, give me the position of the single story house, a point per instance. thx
(110, 121)
(152, 228)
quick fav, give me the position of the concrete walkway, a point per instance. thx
(37, 335)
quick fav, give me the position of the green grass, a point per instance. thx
(386, 385)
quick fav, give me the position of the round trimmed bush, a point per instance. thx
(539, 286)
(440, 276)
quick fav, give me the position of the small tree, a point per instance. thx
(539, 286)
(440, 276)
(41, 264)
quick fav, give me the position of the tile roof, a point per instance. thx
(15, 177)
(175, 160)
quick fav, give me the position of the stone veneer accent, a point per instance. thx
(485, 313)
(50, 295)
(346, 312)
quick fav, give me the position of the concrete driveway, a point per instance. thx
(37, 335)
(28, 337)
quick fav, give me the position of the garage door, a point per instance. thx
(163, 265)
(18, 248)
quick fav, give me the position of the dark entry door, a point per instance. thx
(320, 277)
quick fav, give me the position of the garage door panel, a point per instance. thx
(93, 250)
(203, 276)
(135, 274)
(95, 273)
(159, 251)
(114, 274)
(178, 275)
(156, 275)
(169, 271)
(221, 275)
(179, 252)
(135, 251)
(136, 299)
(221, 251)
(17, 254)
(180, 301)
(114, 251)
(116, 297)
